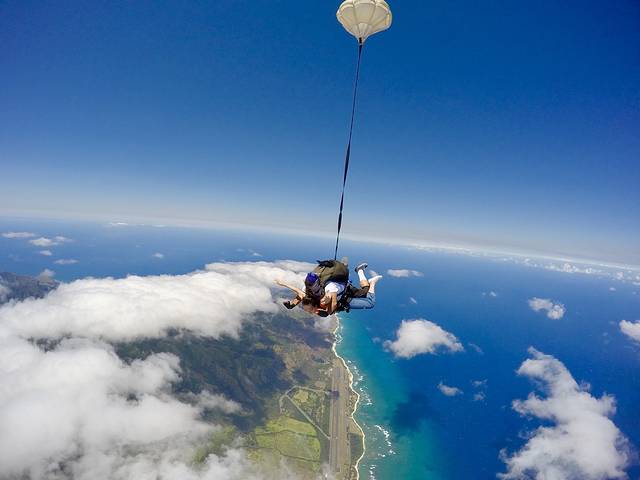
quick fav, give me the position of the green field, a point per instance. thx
(314, 403)
(288, 438)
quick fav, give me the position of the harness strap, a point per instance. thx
(348, 155)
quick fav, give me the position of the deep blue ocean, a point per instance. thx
(413, 430)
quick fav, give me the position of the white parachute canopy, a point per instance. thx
(363, 18)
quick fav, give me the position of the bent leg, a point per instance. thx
(363, 303)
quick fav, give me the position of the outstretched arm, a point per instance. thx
(299, 293)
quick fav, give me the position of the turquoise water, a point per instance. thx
(381, 389)
(413, 431)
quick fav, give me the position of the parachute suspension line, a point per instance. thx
(348, 155)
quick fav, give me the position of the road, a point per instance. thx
(339, 450)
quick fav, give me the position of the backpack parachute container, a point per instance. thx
(361, 18)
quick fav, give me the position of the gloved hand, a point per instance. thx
(288, 304)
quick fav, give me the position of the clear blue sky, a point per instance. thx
(508, 124)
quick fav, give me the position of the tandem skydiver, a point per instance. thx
(328, 290)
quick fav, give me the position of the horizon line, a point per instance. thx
(163, 222)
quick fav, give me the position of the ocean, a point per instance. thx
(413, 430)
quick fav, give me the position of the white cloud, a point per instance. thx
(217, 402)
(449, 391)
(479, 397)
(18, 235)
(46, 275)
(630, 329)
(4, 292)
(158, 255)
(555, 311)
(581, 442)
(479, 383)
(43, 242)
(78, 404)
(403, 273)
(66, 261)
(46, 253)
(476, 348)
(213, 302)
(491, 294)
(49, 242)
(413, 300)
(415, 337)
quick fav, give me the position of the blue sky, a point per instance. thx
(500, 124)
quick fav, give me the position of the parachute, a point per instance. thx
(361, 18)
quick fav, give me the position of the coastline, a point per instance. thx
(352, 391)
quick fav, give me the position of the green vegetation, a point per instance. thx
(291, 439)
(216, 444)
(357, 449)
(314, 403)
(277, 370)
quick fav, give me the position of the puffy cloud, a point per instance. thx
(213, 303)
(76, 410)
(479, 397)
(419, 336)
(555, 311)
(42, 242)
(449, 391)
(46, 253)
(81, 406)
(404, 273)
(66, 261)
(491, 294)
(18, 235)
(4, 292)
(582, 442)
(158, 255)
(49, 242)
(631, 329)
(217, 402)
(46, 275)
(413, 300)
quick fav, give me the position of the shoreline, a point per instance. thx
(355, 407)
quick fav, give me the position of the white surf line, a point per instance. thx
(355, 407)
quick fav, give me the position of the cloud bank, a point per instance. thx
(631, 329)
(403, 273)
(555, 311)
(582, 442)
(415, 337)
(76, 410)
(18, 235)
(212, 303)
